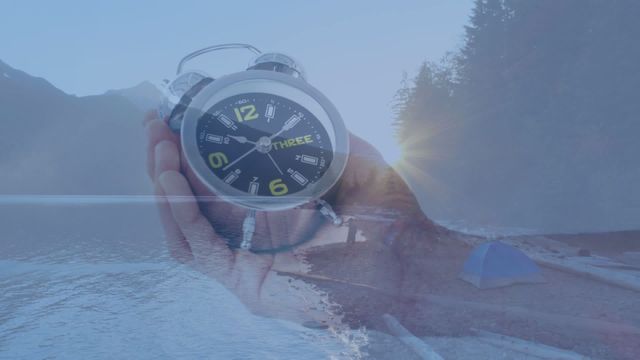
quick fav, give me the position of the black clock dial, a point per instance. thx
(263, 144)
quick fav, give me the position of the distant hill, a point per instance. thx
(144, 96)
(55, 143)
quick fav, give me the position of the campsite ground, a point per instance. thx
(423, 291)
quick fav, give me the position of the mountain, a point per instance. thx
(55, 143)
(144, 96)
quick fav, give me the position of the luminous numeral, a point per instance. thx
(231, 177)
(227, 122)
(215, 138)
(307, 159)
(246, 113)
(278, 188)
(217, 160)
(253, 188)
(291, 122)
(270, 112)
(299, 178)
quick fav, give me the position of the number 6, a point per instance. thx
(277, 187)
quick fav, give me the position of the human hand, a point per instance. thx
(197, 231)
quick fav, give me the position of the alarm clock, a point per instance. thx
(261, 138)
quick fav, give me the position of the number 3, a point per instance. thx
(277, 187)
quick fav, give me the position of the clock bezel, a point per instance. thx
(293, 89)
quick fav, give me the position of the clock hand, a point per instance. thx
(288, 125)
(238, 159)
(241, 139)
(274, 163)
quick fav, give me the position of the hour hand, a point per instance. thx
(288, 125)
(241, 139)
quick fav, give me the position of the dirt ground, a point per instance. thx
(423, 291)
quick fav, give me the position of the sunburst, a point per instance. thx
(418, 152)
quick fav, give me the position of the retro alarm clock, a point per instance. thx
(262, 138)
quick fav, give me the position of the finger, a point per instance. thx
(178, 246)
(157, 131)
(289, 227)
(150, 115)
(363, 158)
(364, 171)
(167, 158)
(207, 247)
(249, 283)
(306, 223)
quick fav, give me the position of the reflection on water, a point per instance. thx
(94, 282)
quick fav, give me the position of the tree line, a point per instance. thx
(534, 121)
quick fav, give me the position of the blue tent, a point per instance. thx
(496, 264)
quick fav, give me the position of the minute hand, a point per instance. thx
(238, 159)
(288, 125)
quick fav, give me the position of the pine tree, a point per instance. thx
(538, 106)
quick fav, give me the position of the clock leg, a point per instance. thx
(248, 228)
(327, 211)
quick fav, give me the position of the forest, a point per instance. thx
(533, 122)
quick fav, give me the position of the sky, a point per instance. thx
(355, 52)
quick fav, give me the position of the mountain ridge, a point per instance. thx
(55, 143)
(145, 95)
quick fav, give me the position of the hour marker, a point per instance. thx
(299, 178)
(270, 113)
(311, 160)
(293, 120)
(231, 178)
(215, 138)
(227, 122)
(253, 187)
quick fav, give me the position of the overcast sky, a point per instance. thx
(353, 51)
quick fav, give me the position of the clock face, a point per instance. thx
(264, 144)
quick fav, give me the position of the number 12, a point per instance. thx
(246, 113)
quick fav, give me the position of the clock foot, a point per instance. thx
(248, 228)
(327, 211)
